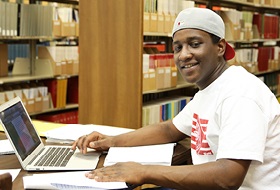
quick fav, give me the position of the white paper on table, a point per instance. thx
(71, 132)
(67, 180)
(6, 147)
(151, 154)
(14, 172)
(37, 182)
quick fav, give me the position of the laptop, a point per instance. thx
(29, 147)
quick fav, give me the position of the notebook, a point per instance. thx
(29, 147)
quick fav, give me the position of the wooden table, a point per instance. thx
(181, 156)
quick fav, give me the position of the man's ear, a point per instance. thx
(221, 47)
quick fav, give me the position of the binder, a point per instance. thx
(3, 59)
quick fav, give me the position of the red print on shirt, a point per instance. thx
(198, 136)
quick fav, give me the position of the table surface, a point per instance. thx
(181, 156)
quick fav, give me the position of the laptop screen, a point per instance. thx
(20, 129)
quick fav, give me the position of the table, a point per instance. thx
(181, 156)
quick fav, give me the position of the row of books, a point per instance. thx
(58, 91)
(8, 54)
(20, 19)
(267, 24)
(272, 80)
(14, 51)
(239, 25)
(159, 15)
(64, 59)
(272, 3)
(35, 20)
(159, 70)
(63, 91)
(35, 98)
(259, 59)
(166, 6)
(9, 19)
(174, 7)
(43, 95)
(67, 117)
(65, 22)
(163, 109)
(245, 25)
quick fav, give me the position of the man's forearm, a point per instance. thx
(153, 134)
(224, 174)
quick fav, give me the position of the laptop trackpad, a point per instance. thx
(79, 160)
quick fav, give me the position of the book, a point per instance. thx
(3, 60)
(150, 154)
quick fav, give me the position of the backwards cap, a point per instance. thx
(203, 19)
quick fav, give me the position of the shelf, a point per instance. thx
(40, 38)
(73, 2)
(181, 85)
(157, 34)
(266, 72)
(68, 107)
(186, 85)
(11, 79)
(267, 41)
(242, 6)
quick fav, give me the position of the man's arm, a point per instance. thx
(159, 133)
(164, 132)
(222, 174)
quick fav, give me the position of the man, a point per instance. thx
(233, 120)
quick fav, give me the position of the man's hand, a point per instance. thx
(129, 172)
(94, 140)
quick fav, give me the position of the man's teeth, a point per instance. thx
(189, 66)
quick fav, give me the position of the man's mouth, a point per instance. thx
(189, 65)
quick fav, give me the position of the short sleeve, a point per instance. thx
(243, 129)
(183, 120)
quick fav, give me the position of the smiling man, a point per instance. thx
(233, 120)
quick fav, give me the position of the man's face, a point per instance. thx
(196, 56)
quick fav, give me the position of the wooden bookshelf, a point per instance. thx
(110, 73)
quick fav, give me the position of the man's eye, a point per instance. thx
(177, 48)
(195, 44)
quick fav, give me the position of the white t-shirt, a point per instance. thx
(237, 117)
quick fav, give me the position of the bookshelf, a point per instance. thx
(36, 33)
(110, 69)
(111, 48)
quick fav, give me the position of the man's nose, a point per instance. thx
(185, 54)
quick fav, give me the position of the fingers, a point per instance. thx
(94, 140)
(129, 172)
(82, 143)
(105, 174)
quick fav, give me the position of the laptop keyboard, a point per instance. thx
(55, 157)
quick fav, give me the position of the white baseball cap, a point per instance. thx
(203, 19)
